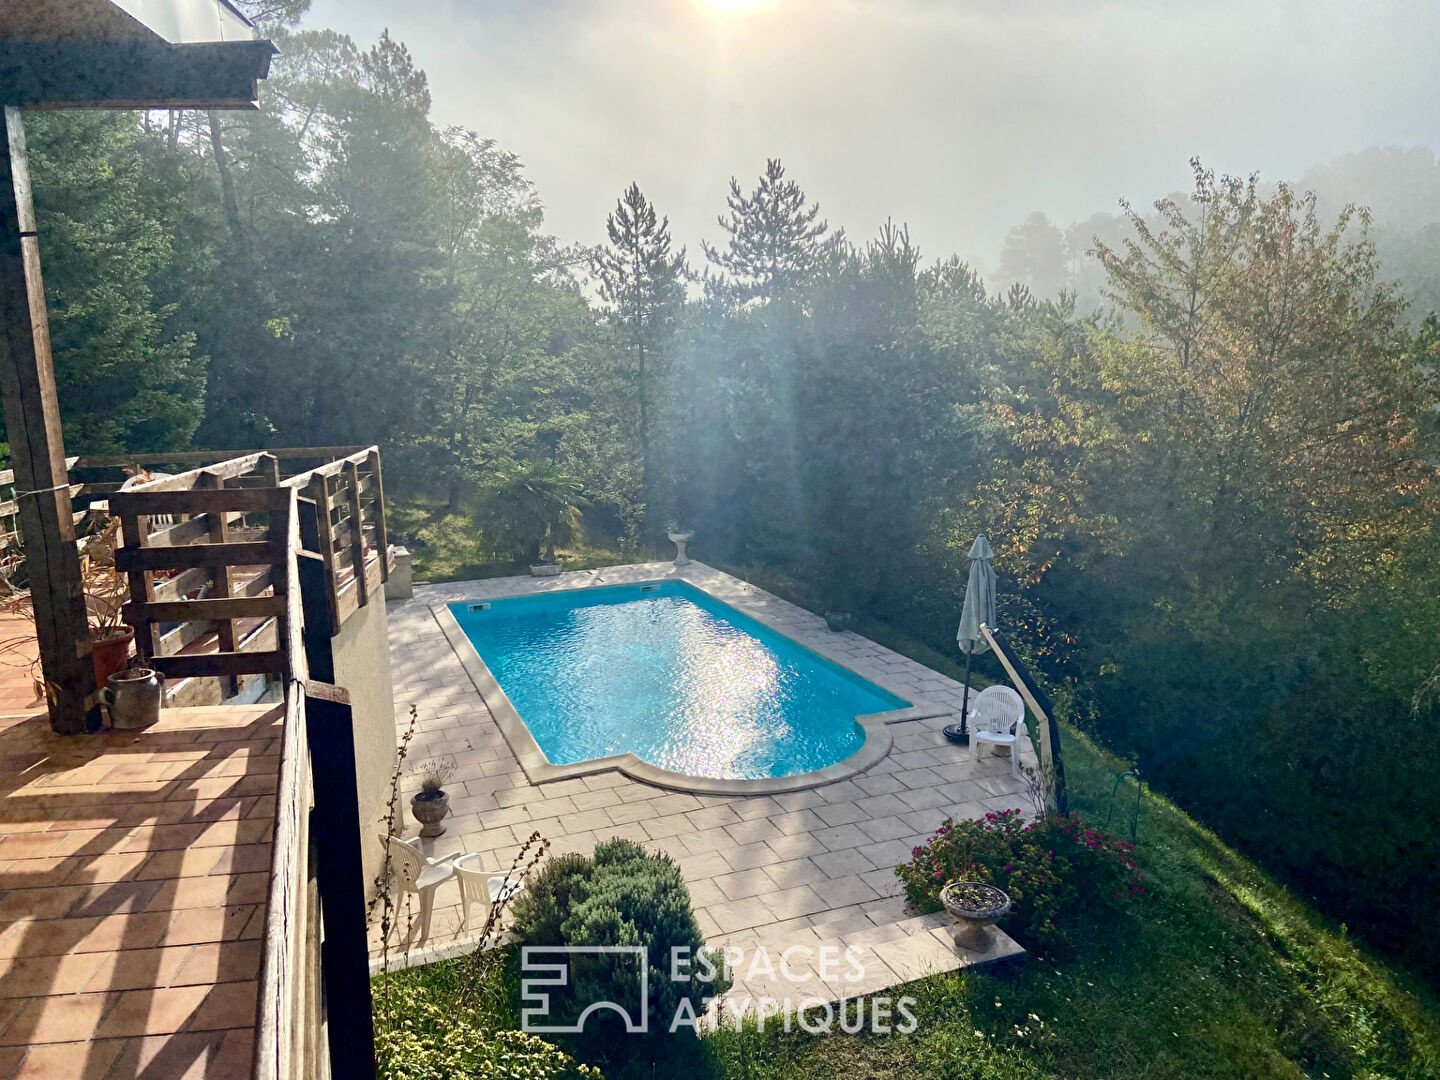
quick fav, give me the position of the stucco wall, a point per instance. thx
(362, 666)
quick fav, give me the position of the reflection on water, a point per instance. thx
(668, 677)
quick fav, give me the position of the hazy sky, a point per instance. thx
(956, 116)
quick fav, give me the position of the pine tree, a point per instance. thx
(642, 282)
(777, 243)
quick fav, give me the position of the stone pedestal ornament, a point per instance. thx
(975, 907)
(680, 539)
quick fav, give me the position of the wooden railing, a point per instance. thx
(248, 552)
(204, 553)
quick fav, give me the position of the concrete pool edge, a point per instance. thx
(540, 770)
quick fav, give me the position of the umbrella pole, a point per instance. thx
(965, 697)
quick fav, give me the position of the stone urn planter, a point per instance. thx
(133, 698)
(110, 651)
(549, 569)
(838, 620)
(680, 539)
(975, 907)
(430, 808)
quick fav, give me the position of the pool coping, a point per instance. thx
(541, 770)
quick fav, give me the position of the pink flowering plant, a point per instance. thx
(1057, 871)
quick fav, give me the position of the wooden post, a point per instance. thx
(335, 834)
(382, 535)
(269, 467)
(223, 581)
(357, 533)
(319, 491)
(314, 594)
(32, 420)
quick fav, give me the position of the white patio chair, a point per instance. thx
(998, 718)
(481, 886)
(420, 875)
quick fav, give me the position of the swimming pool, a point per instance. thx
(672, 675)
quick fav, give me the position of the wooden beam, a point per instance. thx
(32, 421)
(247, 553)
(196, 500)
(231, 607)
(210, 457)
(211, 665)
(132, 74)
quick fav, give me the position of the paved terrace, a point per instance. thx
(134, 868)
(804, 868)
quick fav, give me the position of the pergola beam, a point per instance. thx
(133, 74)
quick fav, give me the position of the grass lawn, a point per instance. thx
(1217, 972)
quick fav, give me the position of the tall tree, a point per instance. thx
(776, 242)
(643, 284)
(126, 379)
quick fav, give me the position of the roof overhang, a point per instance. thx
(129, 54)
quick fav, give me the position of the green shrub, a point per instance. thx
(1056, 871)
(624, 895)
(418, 1037)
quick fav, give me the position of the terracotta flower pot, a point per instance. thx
(110, 652)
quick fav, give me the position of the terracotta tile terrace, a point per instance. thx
(134, 868)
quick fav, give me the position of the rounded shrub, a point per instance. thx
(622, 896)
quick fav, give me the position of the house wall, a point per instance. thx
(362, 666)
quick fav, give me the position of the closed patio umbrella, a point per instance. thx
(978, 610)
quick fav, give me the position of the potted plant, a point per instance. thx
(975, 905)
(530, 506)
(104, 590)
(431, 803)
(838, 620)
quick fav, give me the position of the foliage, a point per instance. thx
(1062, 877)
(643, 285)
(528, 504)
(126, 377)
(624, 895)
(777, 244)
(420, 1037)
(1219, 973)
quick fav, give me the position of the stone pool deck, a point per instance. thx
(806, 868)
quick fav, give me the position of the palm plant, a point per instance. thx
(530, 504)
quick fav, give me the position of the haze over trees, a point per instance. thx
(1213, 505)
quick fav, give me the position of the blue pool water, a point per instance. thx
(672, 675)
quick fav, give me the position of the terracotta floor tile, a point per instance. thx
(136, 969)
(62, 1018)
(197, 926)
(36, 976)
(246, 858)
(10, 1058)
(28, 873)
(231, 961)
(150, 1012)
(182, 862)
(70, 1061)
(227, 1005)
(206, 1055)
(100, 869)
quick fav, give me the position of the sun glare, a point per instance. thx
(734, 7)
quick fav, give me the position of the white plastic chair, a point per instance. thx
(481, 886)
(420, 875)
(998, 717)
